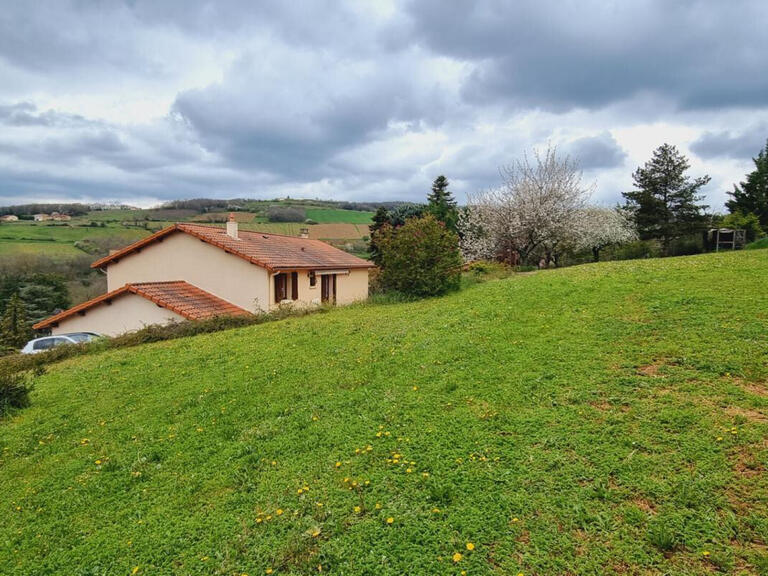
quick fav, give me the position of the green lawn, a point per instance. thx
(334, 215)
(601, 419)
(762, 243)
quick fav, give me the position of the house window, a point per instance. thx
(312, 279)
(281, 287)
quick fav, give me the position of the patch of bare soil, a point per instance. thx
(756, 388)
(748, 413)
(651, 370)
(644, 505)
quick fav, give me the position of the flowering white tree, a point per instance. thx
(535, 210)
(600, 227)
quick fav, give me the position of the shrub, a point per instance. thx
(286, 214)
(420, 258)
(14, 390)
(749, 222)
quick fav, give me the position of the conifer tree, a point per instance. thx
(665, 205)
(441, 203)
(14, 329)
(751, 196)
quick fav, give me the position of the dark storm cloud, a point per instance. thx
(319, 110)
(729, 144)
(168, 99)
(595, 152)
(696, 54)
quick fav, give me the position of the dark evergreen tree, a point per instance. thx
(665, 205)
(752, 196)
(14, 328)
(380, 218)
(441, 204)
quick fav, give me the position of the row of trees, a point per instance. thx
(541, 211)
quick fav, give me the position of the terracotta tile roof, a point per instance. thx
(177, 296)
(270, 251)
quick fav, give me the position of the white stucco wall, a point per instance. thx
(183, 257)
(126, 313)
(350, 287)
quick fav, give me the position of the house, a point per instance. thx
(60, 217)
(9, 218)
(196, 271)
(41, 217)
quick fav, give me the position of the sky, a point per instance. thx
(143, 101)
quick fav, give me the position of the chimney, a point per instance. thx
(232, 226)
(304, 233)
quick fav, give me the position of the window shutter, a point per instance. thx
(294, 285)
(280, 286)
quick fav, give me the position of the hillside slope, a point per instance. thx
(607, 418)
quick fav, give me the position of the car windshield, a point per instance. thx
(80, 336)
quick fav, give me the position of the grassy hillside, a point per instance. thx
(55, 239)
(604, 419)
(762, 243)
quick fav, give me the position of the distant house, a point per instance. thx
(60, 217)
(41, 217)
(9, 218)
(195, 271)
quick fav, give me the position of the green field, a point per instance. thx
(57, 240)
(602, 419)
(333, 216)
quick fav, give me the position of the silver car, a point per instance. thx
(47, 342)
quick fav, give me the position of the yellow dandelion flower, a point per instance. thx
(279, 512)
(338, 464)
(368, 448)
(719, 438)
(135, 570)
(457, 557)
(258, 520)
(97, 462)
(378, 506)
(357, 509)
(436, 510)
(268, 570)
(415, 388)
(425, 474)
(274, 463)
(470, 546)
(705, 553)
(319, 504)
(515, 520)
(408, 470)
(300, 491)
(316, 533)
(390, 520)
